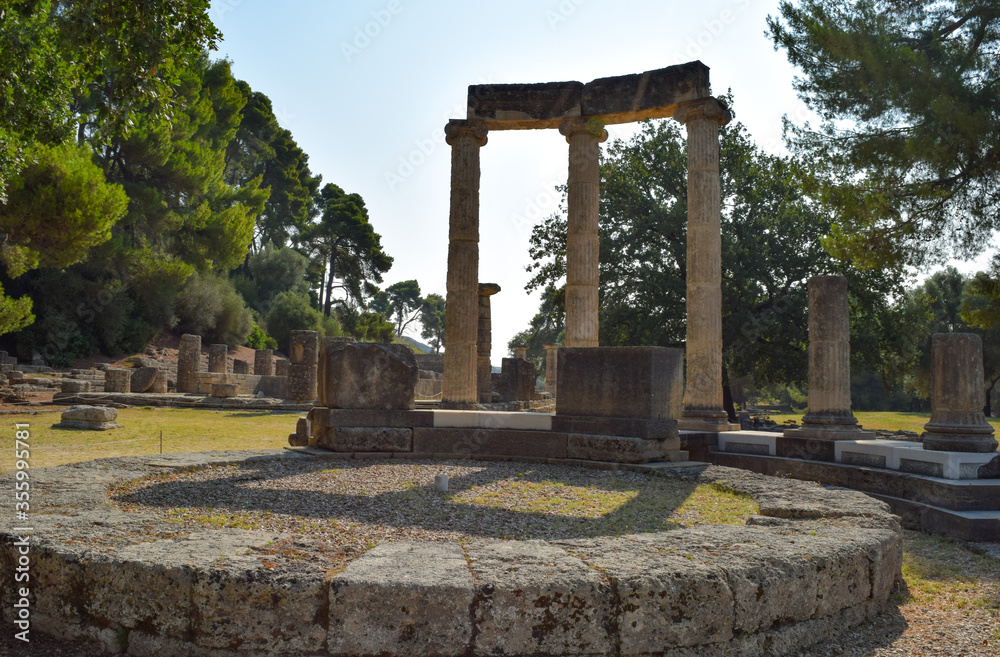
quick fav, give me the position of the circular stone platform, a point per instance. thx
(814, 562)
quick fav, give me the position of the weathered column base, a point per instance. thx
(839, 426)
(957, 431)
(710, 420)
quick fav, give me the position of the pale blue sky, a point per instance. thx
(367, 87)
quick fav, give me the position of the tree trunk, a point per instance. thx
(329, 288)
(727, 397)
(988, 409)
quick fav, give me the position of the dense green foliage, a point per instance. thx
(908, 150)
(432, 313)
(211, 307)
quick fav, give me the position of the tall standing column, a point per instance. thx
(218, 357)
(829, 416)
(484, 367)
(462, 306)
(703, 409)
(188, 363)
(582, 246)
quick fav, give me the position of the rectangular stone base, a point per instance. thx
(748, 442)
(800, 447)
(702, 425)
(907, 456)
(650, 429)
(823, 433)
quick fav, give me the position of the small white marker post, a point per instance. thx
(440, 483)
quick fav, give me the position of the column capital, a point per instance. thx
(593, 126)
(461, 128)
(488, 289)
(703, 108)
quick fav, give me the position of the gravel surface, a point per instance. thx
(960, 619)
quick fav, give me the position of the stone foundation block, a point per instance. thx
(225, 390)
(492, 442)
(241, 367)
(358, 417)
(658, 429)
(403, 599)
(619, 449)
(76, 386)
(94, 418)
(369, 376)
(117, 380)
(365, 439)
(626, 382)
(534, 598)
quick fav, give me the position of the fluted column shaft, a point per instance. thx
(582, 244)
(829, 353)
(957, 422)
(703, 392)
(484, 367)
(462, 305)
(188, 363)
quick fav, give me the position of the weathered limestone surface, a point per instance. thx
(142, 378)
(703, 395)
(582, 245)
(241, 367)
(188, 363)
(281, 367)
(218, 358)
(814, 563)
(93, 418)
(117, 380)
(159, 383)
(517, 380)
(224, 390)
(325, 345)
(619, 99)
(625, 382)
(369, 376)
(551, 368)
(365, 439)
(263, 362)
(829, 416)
(304, 360)
(462, 304)
(957, 422)
(75, 386)
(484, 339)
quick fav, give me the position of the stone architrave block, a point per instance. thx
(535, 599)
(241, 367)
(117, 380)
(627, 382)
(370, 376)
(403, 599)
(218, 356)
(94, 418)
(263, 362)
(142, 378)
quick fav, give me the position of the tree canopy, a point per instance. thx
(908, 150)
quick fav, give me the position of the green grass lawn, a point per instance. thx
(887, 421)
(183, 429)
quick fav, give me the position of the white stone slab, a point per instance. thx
(895, 451)
(890, 449)
(729, 441)
(493, 420)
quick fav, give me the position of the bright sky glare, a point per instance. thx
(366, 88)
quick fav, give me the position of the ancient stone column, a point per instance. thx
(582, 245)
(484, 367)
(188, 363)
(703, 351)
(829, 416)
(263, 362)
(117, 380)
(217, 357)
(957, 396)
(241, 367)
(281, 366)
(521, 352)
(551, 368)
(326, 346)
(302, 371)
(462, 306)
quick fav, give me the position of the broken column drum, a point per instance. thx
(462, 305)
(829, 416)
(117, 380)
(263, 362)
(304, 361)
(218, 356)
(188, 363)
(957, 422)
(484, 366)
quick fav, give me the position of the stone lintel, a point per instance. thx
(619, 99)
